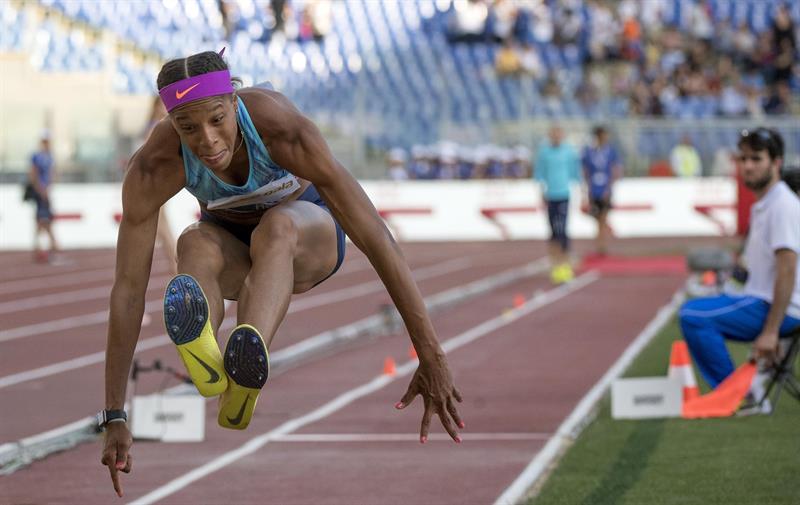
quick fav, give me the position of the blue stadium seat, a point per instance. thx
(405, 57)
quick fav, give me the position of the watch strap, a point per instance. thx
(104, 417)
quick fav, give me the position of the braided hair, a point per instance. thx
(196, 64)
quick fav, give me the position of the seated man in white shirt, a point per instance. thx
(769, 307)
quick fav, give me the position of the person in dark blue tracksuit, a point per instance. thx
(601, 167)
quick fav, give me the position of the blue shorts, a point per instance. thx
(243, 232)
(557, 211)
(599, 205)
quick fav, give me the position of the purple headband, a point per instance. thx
(196, 88)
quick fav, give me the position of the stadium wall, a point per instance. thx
(87, 214)
(82, 115)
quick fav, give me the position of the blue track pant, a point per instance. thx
(707, 322)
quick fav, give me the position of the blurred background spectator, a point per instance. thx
(41, 176)
(557, 168)
(450, 160)
(396, 160)
(684, 159)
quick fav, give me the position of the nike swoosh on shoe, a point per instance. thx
(213, 373)
(238, 419)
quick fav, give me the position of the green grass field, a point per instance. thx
(740, 460)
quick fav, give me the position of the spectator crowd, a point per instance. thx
(300, 20)
(693, 64)
(449, 160)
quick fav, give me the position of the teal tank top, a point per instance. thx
(268, 184)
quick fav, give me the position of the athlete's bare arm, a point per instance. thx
(154, 175)
(295, 143)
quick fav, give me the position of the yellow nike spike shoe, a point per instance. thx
(247, 365)
(189, 327)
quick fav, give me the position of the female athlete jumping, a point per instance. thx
(275, 205)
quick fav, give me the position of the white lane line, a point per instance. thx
(577, 420)
(298, 305)
(407, 437)
(22, 285)
(312, 346)
(80, 295)
(57, 265)
(376, 286)
(81, 277)
(10, 447)
(352, 395)
(68, 323)
(72, 364)
(102, 316)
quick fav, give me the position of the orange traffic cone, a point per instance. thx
(389, 366)
(412, 353)
(725, 399)
(680, 366)
(519, 300)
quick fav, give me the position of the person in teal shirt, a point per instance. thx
(557, 167)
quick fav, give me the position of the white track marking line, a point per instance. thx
(68, 323)
(287, 354)
(407, 437)
(376, 286)
(102, 316)
(21, 285)
(80, 295)
(67, 428)
(72, 364)
(576, 421)
(352, 395)
(298, 305)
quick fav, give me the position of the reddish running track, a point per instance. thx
(520, 380)
(74, 389)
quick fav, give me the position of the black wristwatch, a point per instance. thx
(104, 417)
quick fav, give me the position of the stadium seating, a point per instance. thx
(380, 57)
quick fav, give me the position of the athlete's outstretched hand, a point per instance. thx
(434, 382)
(116, 457)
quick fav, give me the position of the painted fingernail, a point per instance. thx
(458, 440)
(398, 405)
(461, 425)
(120, 466)
(422, 440)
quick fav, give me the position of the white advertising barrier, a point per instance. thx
(87, 214)
(169, 418)
(646, 398)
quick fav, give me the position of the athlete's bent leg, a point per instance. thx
(219, 262)
(193, 305)
(293, 248)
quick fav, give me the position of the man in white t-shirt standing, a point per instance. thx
(769, 307)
